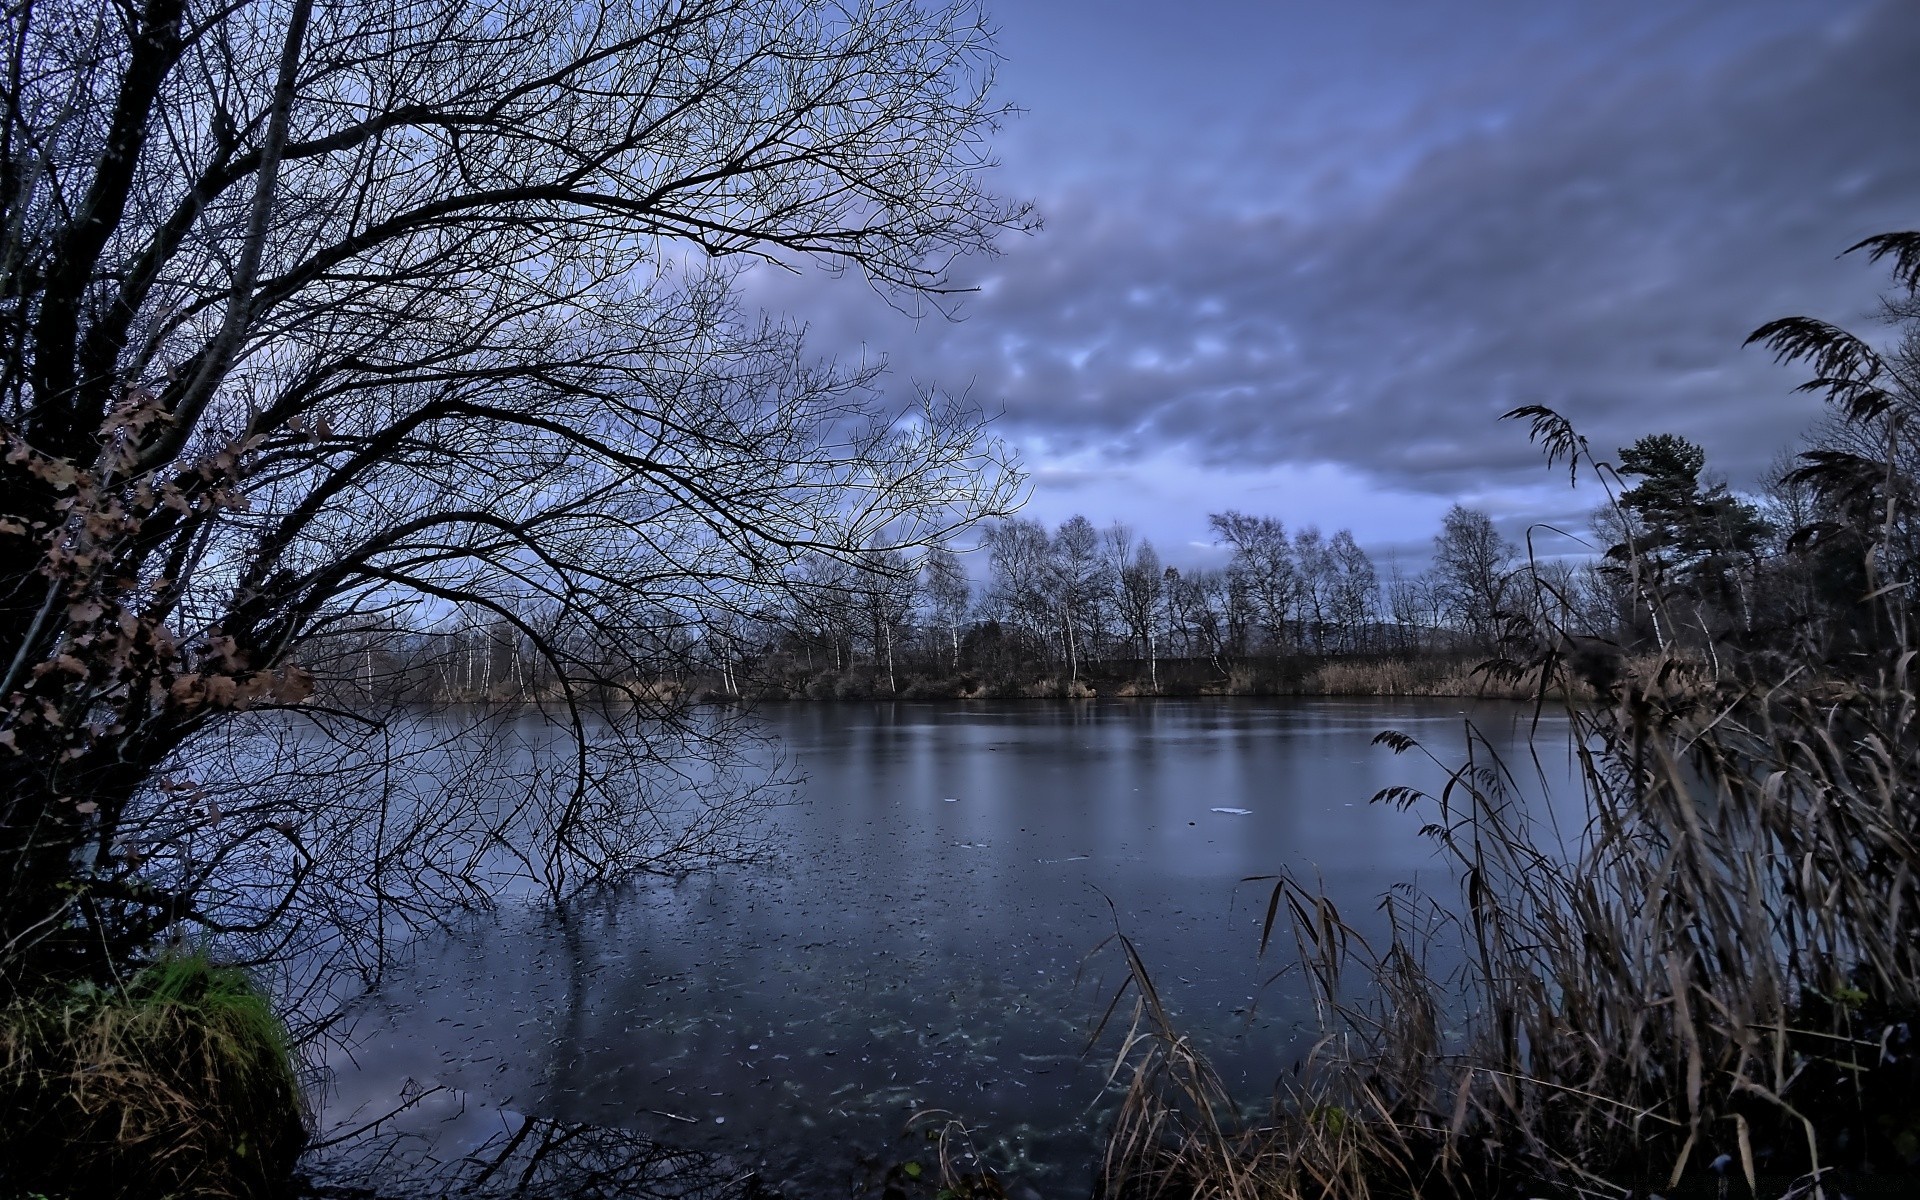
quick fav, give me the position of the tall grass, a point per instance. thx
(1710, 987)
(180, 1083)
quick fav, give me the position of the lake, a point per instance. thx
(928, 934)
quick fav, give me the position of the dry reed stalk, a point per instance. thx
(1714, 979)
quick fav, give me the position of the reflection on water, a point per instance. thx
(923, 937)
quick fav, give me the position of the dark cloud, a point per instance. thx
(1601, 243)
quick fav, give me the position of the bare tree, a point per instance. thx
(1410, 606)
(1080, 581)
(1140, 582)
(1318, 576)
(1473, 565)
(314, 314)
(1263, 570)
(820, 610)
(887, 585)
(1355, 599)
(949, 598)
(1019, 592)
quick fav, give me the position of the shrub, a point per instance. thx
(823, 686)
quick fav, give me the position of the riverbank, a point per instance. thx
(1457, 676)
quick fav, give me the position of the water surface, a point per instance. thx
(927, 934)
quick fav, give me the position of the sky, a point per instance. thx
(1298, 256)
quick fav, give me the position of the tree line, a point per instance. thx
(1674, 560)
(1066, 603)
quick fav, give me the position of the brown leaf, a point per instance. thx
(85, 613)
(223, 650)
(56, 471)
(295, 684)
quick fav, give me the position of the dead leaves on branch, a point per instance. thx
(105, 645)
(228, 692)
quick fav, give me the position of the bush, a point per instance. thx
(181, 1083)
(853, 687)
(823, 685)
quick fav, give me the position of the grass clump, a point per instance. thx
(1711, 988)
(179, 1083)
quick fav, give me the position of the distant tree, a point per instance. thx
(1317, 577)
(1263, 573)
(1020, 592)
(1355, 596)
(886, 586)
(949, 598)
(1223, 612)
(1473, 571)
(1141, 582)
(1787, 501)
(1179, 607)
(1197, 611)
(821, 604)
(1081, 580)
(1409, 607)
(1698, 541)
(1682, 518)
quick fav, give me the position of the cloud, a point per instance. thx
(1602, 246)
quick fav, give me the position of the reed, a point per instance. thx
(1711, 986)
(1432, 677)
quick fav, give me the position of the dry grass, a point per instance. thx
(1710, 987)
(1412, 677)
(179, 1084)
(1719, 968)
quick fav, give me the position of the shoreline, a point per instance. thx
(1436, 677)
